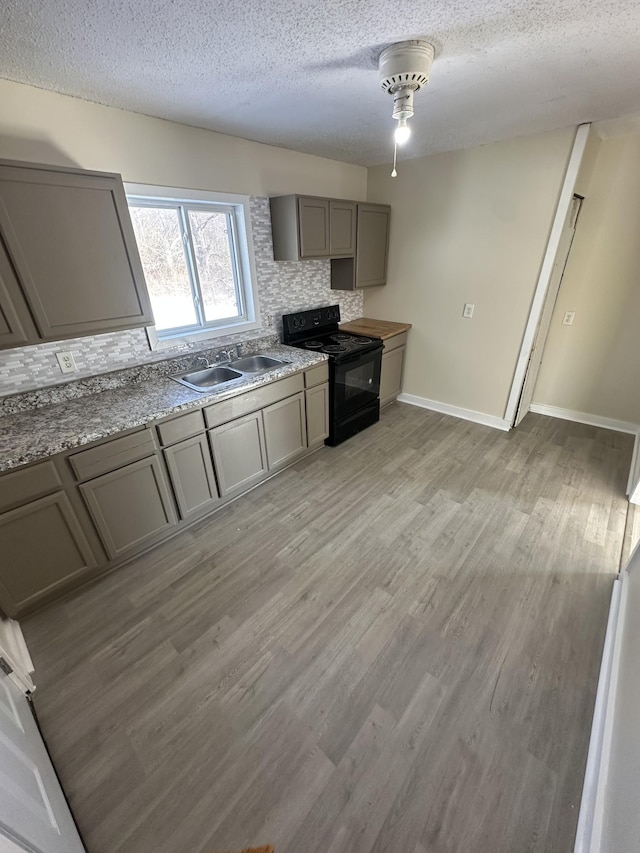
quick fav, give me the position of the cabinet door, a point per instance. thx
(16, 325)
(192, 477)
(342, 228)
(130, 506)
(239, 453)
(71, 242)
(313, 225)
(284, 430)
(317, 406)
(391, 375)
(372, 244)
(42, 546)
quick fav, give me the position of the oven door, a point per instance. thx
(356, 383)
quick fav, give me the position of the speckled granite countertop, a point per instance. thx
(30, 436)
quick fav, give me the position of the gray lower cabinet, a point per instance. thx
(43, 548)
(391, 374)
(68, 517)
(284, 430)
(130, 506)
(239, 453)
(191, 474)
(317, 406)
(70, 241)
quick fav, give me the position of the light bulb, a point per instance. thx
(402, 132)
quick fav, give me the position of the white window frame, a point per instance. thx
(238, 207)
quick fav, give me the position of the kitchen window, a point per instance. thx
(196, 253)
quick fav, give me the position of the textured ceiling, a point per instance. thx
(304, 75)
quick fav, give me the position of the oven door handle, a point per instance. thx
(357, 356)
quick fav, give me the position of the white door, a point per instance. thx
(535, 359)
(34, 814)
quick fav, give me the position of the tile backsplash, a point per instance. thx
(283, 287)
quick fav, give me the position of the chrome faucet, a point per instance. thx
(205, 359)
(226, 354)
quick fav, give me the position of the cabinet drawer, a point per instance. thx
(316, 375)
(113, 454)
(26, 484)
(184, 426)
(250, 401)
(395, 342)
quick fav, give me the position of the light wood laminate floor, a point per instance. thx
(391, 647)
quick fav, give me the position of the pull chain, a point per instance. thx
(394, 173)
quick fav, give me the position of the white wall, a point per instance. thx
(42, 126)
(467, 226)
(593, 366)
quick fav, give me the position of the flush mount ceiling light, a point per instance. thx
(404, 68)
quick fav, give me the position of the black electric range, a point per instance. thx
(354, 368)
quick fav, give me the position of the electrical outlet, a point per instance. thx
(468, 310)
(67, 362)
(568, 318)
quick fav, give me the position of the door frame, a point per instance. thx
(13, 649)
(546, 270)
(542, 332)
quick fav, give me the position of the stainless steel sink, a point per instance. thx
(256, 363)
(202, 380)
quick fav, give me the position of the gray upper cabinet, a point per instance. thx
(342, 228)
(369, 267)
(305, 227)
(313, 223)
(71, 244)
(16, 325)
(372, 244)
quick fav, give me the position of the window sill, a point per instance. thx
(200, 337)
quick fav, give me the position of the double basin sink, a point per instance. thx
(210, 377)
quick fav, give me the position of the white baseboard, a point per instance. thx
(584, 418)
(456, 411)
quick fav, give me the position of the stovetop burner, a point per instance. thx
(318, 330)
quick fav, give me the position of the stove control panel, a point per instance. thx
(305, 322)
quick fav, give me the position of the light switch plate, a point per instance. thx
(468, 310)
(67, 362)
(568, 318)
